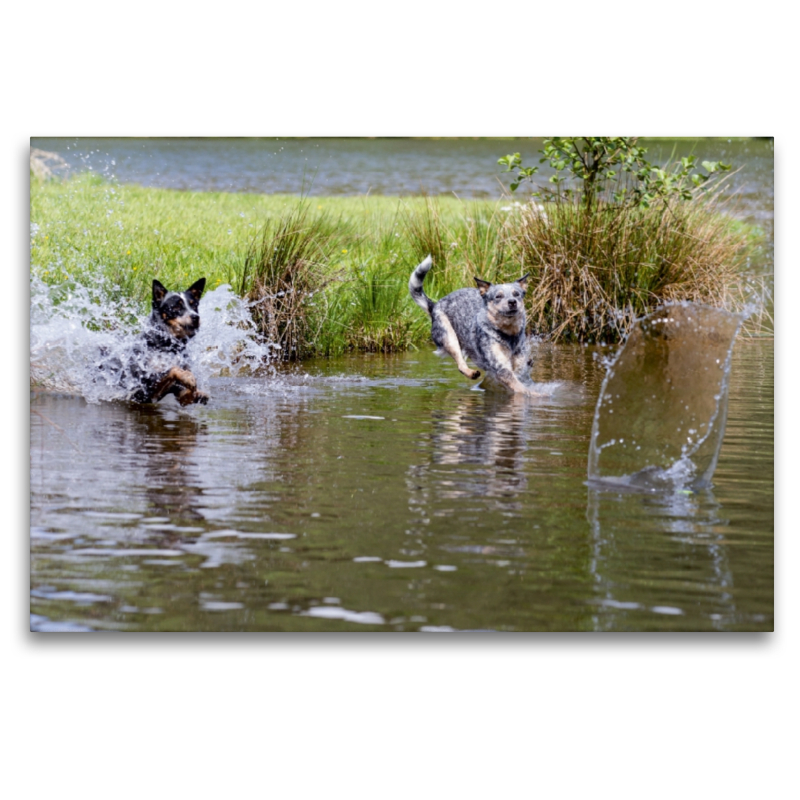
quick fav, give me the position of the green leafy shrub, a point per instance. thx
(613, 168)
(619, 236)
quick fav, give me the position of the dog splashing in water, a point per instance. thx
(157, 363)
(486, 325)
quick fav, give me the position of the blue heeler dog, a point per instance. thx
(486, 324)
(159, 367)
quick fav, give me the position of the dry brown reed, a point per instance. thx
(593, 272)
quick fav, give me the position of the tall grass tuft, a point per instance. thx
(382, 319)
(484, 243)
(427, 234)
(286, 264)
(367, 308)
(594, 271)
(475, 242)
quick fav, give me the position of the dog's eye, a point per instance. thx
(498, 296)
(516, 293)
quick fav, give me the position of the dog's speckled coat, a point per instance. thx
(486, 324)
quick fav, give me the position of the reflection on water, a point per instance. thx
(380, 493)
(691, 556)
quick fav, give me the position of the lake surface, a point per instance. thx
(382, 493)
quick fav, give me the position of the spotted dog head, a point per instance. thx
(175, 313)
(504, 303)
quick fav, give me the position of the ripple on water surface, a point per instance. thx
(458, 510)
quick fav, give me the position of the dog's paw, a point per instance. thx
(476, 373)
(189, 396)
(186, 397)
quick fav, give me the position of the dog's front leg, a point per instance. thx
(182, 384)
(199, 397)
(188, 394)
(444, 336)
(164, 386)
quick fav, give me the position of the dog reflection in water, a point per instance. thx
(488, 434)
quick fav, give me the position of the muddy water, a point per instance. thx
(381, 493)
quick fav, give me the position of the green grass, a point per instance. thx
(347, 259)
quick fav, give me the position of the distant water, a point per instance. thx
(465, 167)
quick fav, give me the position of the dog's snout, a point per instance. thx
(191, 325)
(512, 303)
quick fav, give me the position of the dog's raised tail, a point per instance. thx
(415, 286)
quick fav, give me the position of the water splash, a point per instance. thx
(661, 414)
(83, 339)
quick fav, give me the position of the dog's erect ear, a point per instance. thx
(483, 286)
(523, 281)
(159, 293)
(195, 291)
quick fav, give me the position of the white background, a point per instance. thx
(384, 716)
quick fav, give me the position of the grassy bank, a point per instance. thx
(330, 274)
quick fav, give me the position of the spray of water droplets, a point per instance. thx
(83, 339)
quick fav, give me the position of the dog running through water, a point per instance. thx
(486, 324)
(160, 364)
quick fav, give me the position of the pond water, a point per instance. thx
(382, 493)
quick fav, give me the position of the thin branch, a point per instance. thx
(57, 427)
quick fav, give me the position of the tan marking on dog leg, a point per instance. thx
(187, 397)
(511, 368)
(162, 388)
(512, 382)
(504, 373)
(184, 376)
(177, 377)
(516, 385)
(189, 394)
(453, 349)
